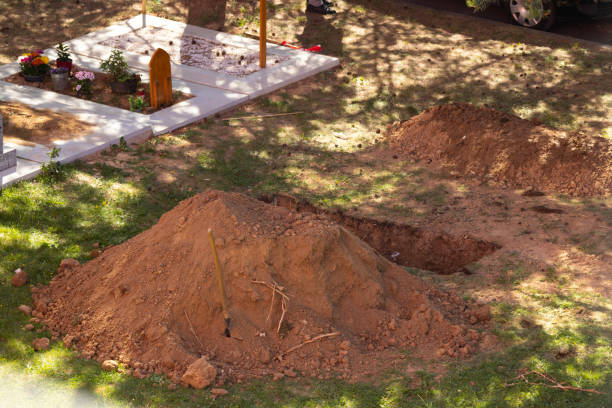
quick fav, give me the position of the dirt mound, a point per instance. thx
(485, 143)
(153, 301)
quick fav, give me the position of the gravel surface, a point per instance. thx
(193, 51)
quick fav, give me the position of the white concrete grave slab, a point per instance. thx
(212, 91)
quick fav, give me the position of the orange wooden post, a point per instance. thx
(144, 13)
(263, 25)
(160, 79)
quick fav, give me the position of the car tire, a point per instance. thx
(519, 13)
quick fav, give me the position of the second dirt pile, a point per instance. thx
(491, 145)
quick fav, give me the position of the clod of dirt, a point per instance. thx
(482, 314)
(488, 144)
(41, 344)
(200, 374)
(19, 278)
(67, 340)
(69, 263)
(304, 294)
(402, 243)
(25, 309)
(217, 392)
(109, 365)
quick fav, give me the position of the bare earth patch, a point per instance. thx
(492, 145)
(27, 126)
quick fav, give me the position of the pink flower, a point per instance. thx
(83, 75)
(78, 88)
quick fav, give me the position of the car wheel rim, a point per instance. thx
(520, 12)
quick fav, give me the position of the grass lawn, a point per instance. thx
(552, 310)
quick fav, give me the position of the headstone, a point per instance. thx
(160, 79)
(7, 159)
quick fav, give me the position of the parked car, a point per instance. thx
(549, 11)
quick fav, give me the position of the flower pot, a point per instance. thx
(34, 78)
(65, 64)
(60, 81)
(126, 87)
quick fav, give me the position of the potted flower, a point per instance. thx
(123, 81)
(63, 57)
(83, 83)
(34, 66)
(59, 76)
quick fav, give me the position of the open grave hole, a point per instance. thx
(401, 243)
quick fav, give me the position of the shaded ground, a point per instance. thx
(548, 284)
(570, 22)
(27, 126)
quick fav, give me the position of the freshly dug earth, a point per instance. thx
(153, 302)
(492, 145)
(404, 244)
(27, 126)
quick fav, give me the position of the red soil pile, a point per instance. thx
(488, 144)
(153, 301)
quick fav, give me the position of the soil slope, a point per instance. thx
(492, 145)
(153, 302)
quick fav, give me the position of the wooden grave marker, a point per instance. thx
(160, 79)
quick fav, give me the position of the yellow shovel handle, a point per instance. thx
(219, 275)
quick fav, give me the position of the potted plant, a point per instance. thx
(34, 66)
(83, 83)
(59, 76)
(123, 81)
(63, 57)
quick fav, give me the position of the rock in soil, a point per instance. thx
(290, 373)
(41, 344)
(110, 365)
(25, 309)
(19, 278)
(200, 374)
(219, 391)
